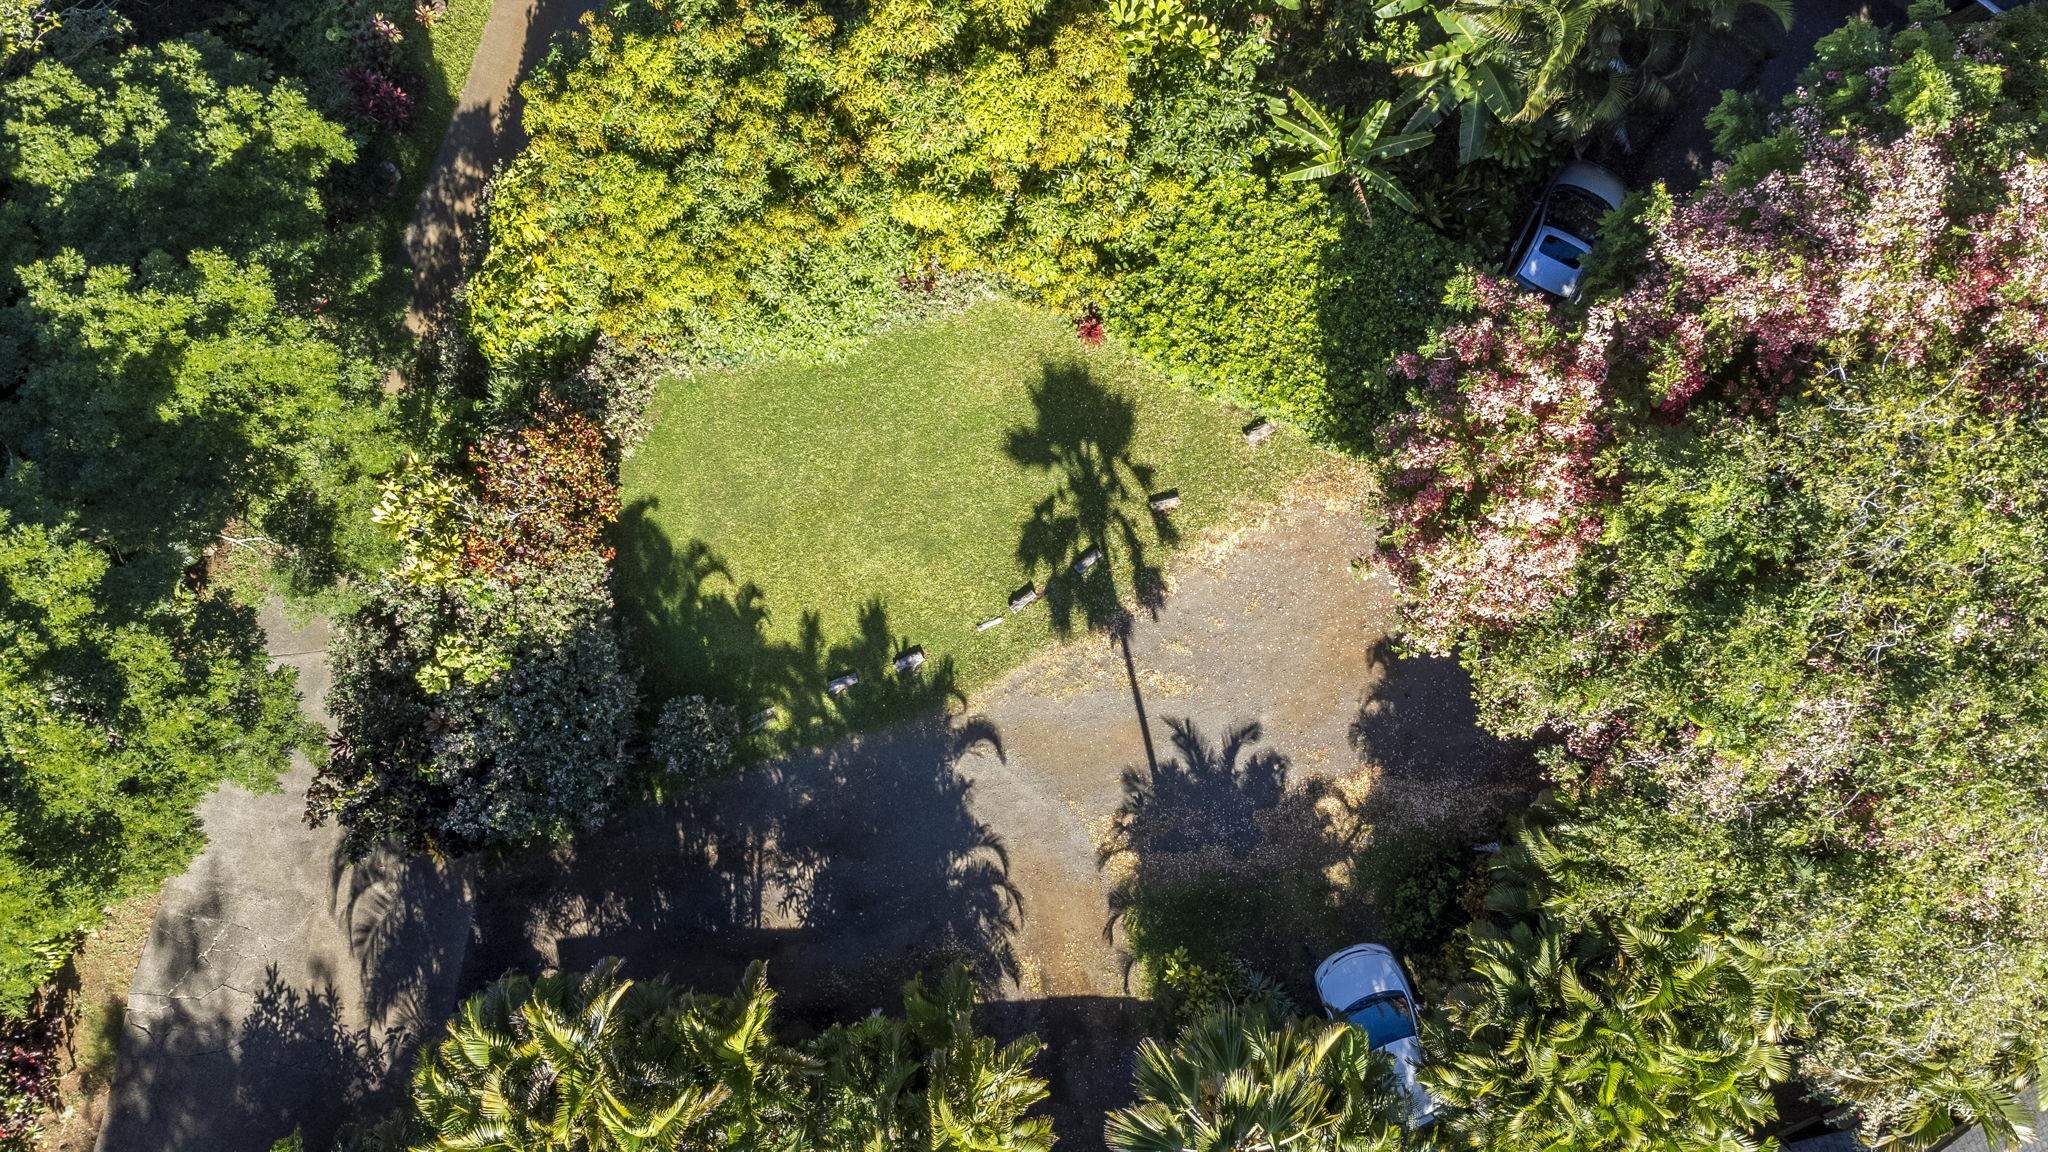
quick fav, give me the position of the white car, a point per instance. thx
(1560, 231)
(1365, 986)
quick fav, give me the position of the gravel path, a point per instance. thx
(975, 834)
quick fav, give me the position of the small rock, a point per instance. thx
(388, 172)
(1260, 432)
(1023, 598)
(1166, 501)
(761, 719)
(1089, 559)
(987, 624)
(1488, 848)
(839, 685)
(910, 661)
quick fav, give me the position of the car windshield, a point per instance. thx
(1385, 1016)
(1576, 212)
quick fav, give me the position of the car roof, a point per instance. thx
(1357, 972)
(1593, 180)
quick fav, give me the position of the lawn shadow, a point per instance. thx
(1083, 434)
(848, 868)
(698, 628)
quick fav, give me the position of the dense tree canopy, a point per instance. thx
(1762, 536)
(165, 383)
(112, 725)
(732, 181)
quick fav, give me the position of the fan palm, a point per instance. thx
(1235, 1083)
(1353, 152)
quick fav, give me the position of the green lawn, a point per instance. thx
(790, 523)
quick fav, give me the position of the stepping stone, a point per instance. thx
(910, 661)
(1259, 433)
(761, 719)
(839, 685)
(1166, 501)
(987, 624)
(1023, 598)
(1089, 559)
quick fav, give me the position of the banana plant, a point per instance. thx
(1354, 152)
(1457, 76)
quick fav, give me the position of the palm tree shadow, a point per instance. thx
(1083, 433)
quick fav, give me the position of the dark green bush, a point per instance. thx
(1283, 299)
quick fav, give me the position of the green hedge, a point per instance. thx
(1282, 298)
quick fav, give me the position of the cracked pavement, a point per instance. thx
(280, 983)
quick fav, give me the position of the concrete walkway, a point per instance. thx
(279, 984)
(484, 133)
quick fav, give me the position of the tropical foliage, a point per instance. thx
(1759, 536)
(1595, 1035)
(480, 698)
(1237, 1082)
(599, 1063)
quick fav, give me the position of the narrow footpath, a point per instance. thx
(280, 983)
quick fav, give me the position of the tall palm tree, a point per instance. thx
(927, 1081)
(563, 1064)
(1234, 1082)
(1579, 66)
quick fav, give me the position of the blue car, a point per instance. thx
(1560, 231)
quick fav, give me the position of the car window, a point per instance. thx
(1576, 212)
(1563, 251)
(1385, 1017)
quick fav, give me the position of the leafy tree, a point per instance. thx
(1608, 1035)
(725, 183)
(1758, 535)
(480, 698)
(1237, 1083)
(116, 723)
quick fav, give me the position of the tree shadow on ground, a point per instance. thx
(1083, 433)
(848, 868)
(1218, 858)
(198, 1072)
(1098, 1042)
(698, 628)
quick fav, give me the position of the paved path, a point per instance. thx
(976, 834)
(278, 983)
(484, 133)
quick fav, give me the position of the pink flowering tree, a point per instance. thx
(1759, 537)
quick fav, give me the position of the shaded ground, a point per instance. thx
(1679, 151)
(278, 984)
(484, 133)
(975, 834)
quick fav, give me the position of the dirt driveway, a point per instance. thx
(976, 834)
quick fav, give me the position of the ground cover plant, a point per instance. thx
(790, 522)
(1759, 535)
